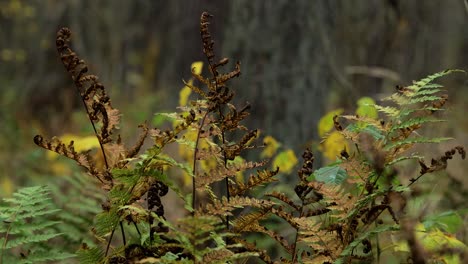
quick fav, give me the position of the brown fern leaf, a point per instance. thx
(440, 163)
(233, 118)
(230, 75)
(307, 166)
(134, 151)
(222, 172)
(285, 199)
(207, 41)
(263, 255)
(239, 224)
(162, 138)
(217, 255)
(224, 207)
(234, 150)
(255, 227)
(262, 177)
(83, 158)
(93, 93)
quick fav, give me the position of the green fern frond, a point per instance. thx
(415, 122)
(427, 91)
(90, 255)
(402, 158)
(424, 99)
(46, 256)
(415, 140)
(388, 110)
(26, 225)
(427, 80)
(406, 112)
(105, 222)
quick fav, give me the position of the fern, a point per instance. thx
(25, 227)
(333, 213)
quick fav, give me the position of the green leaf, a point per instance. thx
(285, 160)
(332, 174)
(366, 107)
(326, 122)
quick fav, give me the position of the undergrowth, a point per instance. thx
(351, 211)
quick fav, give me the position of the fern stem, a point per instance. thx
(110, 240)
(226, 180)
(97, 135)
(8, 232)
(195, 162)
(136, 227)
(294, 245)
(123, 234)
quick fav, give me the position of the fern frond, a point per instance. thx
(224, 207)
(285, 199)
(427, 80)
(229, 170)
(262, 177)
(424, 99)
(388, 110)
(417, 121)
(415, 140)
(90, 255)
(402, 158)
(26, 225)
(47, 256)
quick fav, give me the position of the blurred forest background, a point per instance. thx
(300, 59)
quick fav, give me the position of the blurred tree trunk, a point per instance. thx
(301, 58)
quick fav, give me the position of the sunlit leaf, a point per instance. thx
(333, 145)
(271, 146)
(197, 67)
(326, 122)
(285, 160)
(366, 108)
(184, 94)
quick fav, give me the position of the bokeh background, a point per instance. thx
(300, 59)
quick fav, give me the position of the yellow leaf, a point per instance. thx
(332, 146)
(186, 91)
(285, 160)
(326, 122)
(80, 143)
(435, 240)
(197, 67)
(366, 108)
(271, 146)
(184, 94)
